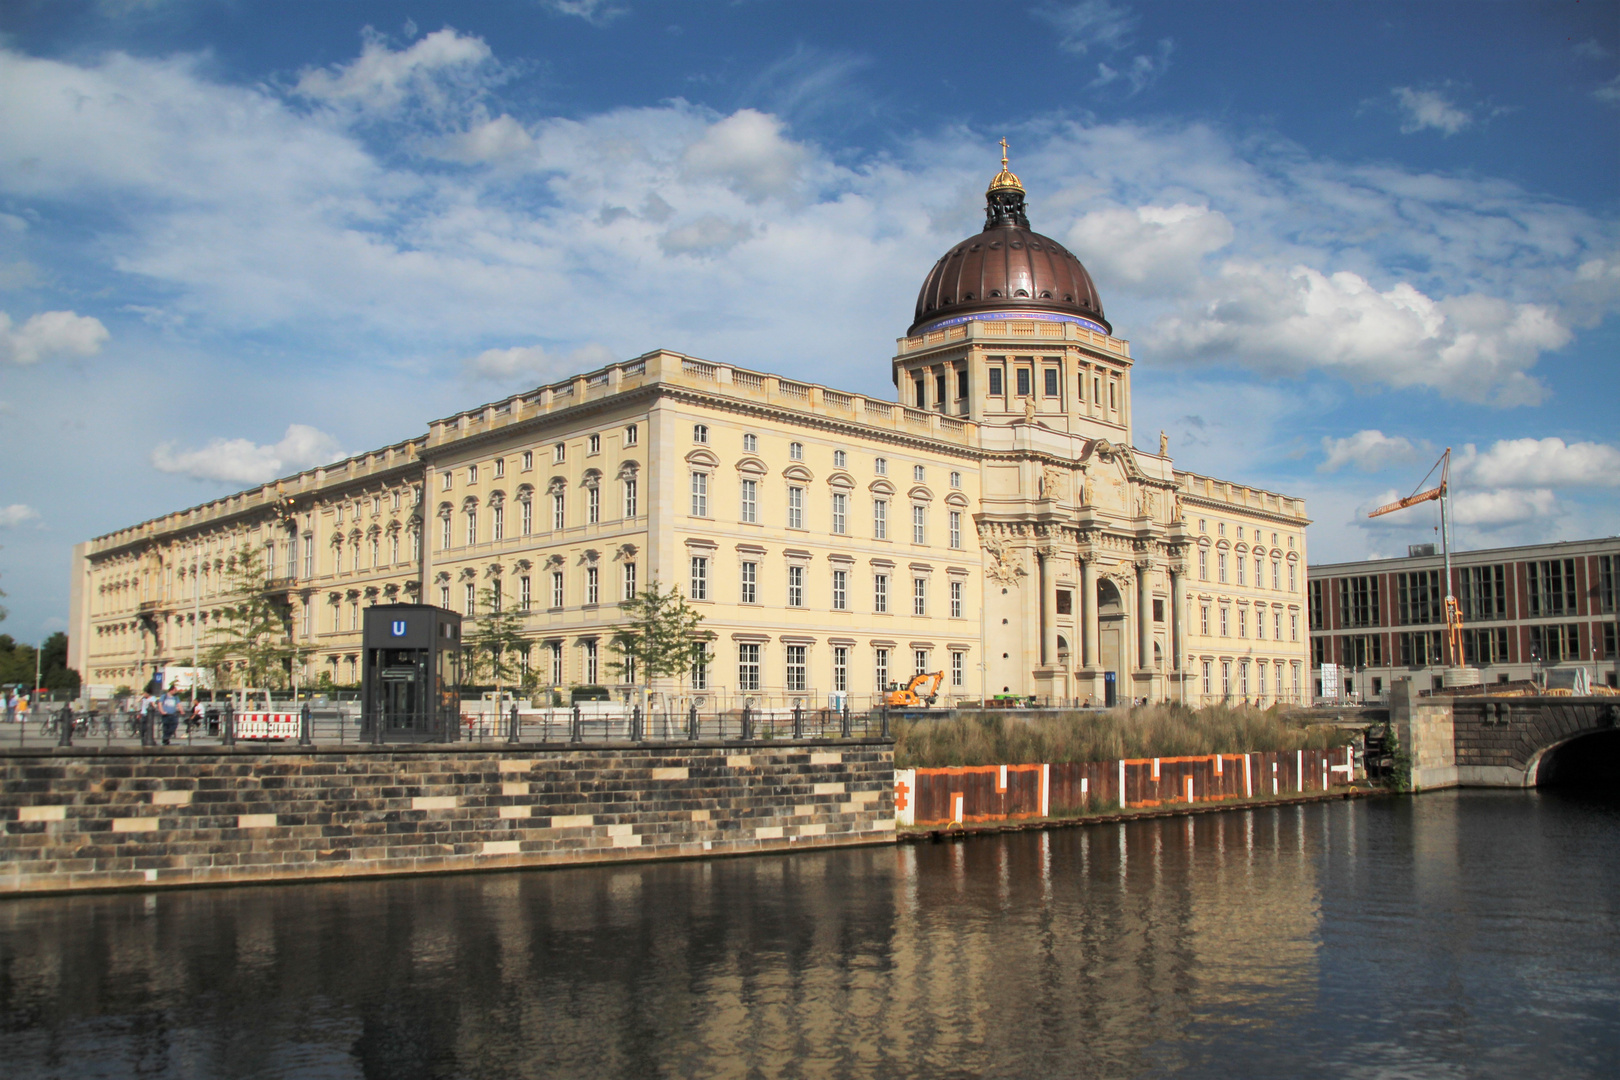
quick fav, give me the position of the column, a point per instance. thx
(1177, 641)
(1048, 607)
(1144, 615)
(1088, 616)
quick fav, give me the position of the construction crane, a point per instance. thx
(1442, 495)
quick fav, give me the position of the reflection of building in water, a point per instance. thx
(994, 521)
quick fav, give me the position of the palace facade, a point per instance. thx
(994, 522)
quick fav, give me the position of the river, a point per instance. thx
(1455, 934)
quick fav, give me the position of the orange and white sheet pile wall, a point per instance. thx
(982, 793)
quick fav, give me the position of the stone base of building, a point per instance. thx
(84, 820)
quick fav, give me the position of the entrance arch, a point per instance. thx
(1586, 761)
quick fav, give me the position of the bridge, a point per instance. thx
(1484, 741)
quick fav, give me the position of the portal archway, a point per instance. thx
(1586, 761)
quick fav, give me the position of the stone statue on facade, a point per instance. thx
(1002, 565)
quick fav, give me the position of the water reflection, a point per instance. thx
(1453, 934)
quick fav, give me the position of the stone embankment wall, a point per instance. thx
(82, 819)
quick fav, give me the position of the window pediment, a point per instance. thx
(920, 493)
(957, 499)
(703, 457)
(881, 487)
(841, 480)
(798, 473)
(752, 466)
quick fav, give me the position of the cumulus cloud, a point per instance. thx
(1540, 463)
(48, 335)
(1473, 347)
(500, 139)
(1369, 451)
(1422, 109)
(748, 152)
(382, 78)
(1494, 509)
(1157, 248)
(535, 364)
(242, 461)
(708, 236)
(16, 514)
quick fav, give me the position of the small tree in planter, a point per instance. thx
(662, 637)
(496, 645)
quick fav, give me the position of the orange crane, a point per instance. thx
(1440, 494)
(908, 697)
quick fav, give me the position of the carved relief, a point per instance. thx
(1003, 565)
(1052, 482)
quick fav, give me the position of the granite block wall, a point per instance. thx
(86, 819)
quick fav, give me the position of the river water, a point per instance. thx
(1461, 934)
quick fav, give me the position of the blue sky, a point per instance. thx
(237, 238)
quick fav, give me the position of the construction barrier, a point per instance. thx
(267, 725)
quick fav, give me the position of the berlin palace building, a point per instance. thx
(995, 522)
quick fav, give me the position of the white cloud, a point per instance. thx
(1091, 23)
(1429, 109)
(1141, 71)
(1494, 509)
(1609, 92)
(500, 139)
(1540, 463)
(50, 334)
(534, 364)
(241, 461)
(15, 514)
(1591, 49)
(709, 235)
(1156, 248)
(595, 12)
(1369, 451)
(1472, 347)
(747, 152)
(381, 78)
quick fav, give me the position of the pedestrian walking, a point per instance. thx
(169, 710)
(22, 709)
(11, 705)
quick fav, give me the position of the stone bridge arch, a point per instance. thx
(1502, 742)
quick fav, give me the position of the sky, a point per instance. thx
(240, 239)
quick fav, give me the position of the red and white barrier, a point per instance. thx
(267, 725)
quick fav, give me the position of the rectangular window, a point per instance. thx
(795, 668)
(1482, 592)
(840, 459)
(1051, 376)
(1241, 563)
(840, 668)
(1207, 689)
(700, 667)
(593, 445)
(590, 661)
(796, 451)
(795, 517)
(1220, 565)
(747, 666)
(919, 596)
(1293, 628)
(526, 511)
(525, 593)
(447, 483)
(1291, 568)
(880, 593)
(1318, 605)
(472, 535)
(528, 460)
(750, 444)
(880, 519)
(444, 602)
(958, 668)
(840, 590)
(956, 528)
(700, 433)
(749, 511)
(309, 556)
(1276, 574)
(700, 577)
(956, 479)
(593, 505)
(749, 593)
(1023, 381)
(559, 453)
(700, 494)
(880, 665)
(919, 520)
(962, 383)
(956, 599)
(880, 466)
(995, 381)
(919, 662)
(470, 598)
(1417, 598)
(630, 434)
(1243, 622)
(629, 580)
(630, 497)
(559, 511)
(1260, 623)
(556, 663)
(1552, 588)
(1420, 648)
(497, 523)
(1243, 677)
(1226, 678)
(1225, 619)
(939, 388)
(495, 594)
(795, 588)
(472, 478)
(1203, 565)
(1203, 619)
(592, 586)
(1608, 567)
(500, 468)
(1358, 600)
(1484, 647)
(840, 513)
(556, 589)
(919, 474)
(1555, 644)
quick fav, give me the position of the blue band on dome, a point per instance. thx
(982, 316)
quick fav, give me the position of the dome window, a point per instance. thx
(1022, 292)
(1016, 244)
(995, 292)
(966, 297)
(976, 247)
(995, 245)
(1068, 298)
(1046, 294)
(1034, 247)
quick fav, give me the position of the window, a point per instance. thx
(1023, 381)
(880, 519)
(995, 381)
(921, 398)
(1226, 678)
(795, 589)
(880, 593)
(700, 494)
(630, 435)
(918, 474)
(1206, 677)
(444, 602)
(526, 512)
(1259, 574)
(700, 666)
(1240, 532)
(749, 593)
(919, 520)
(1241, 563)
(700, 433)
(309, 555)
(1291, 568)
(393, 547)
(1220, 528)
(497, 523)
(1225, 618)
(962, 383)
(556, 663)
(939, 388)
(556, 589)
(796, 451)
(1220, 565)
(840, 668)
(750, 444)
(1113, 394)
(495, 593)
(747, 666)
(396, 498)
(448, 482)
(593, 445)
(919, 596)
(1096, 390)
(593, 504)
(1417, 598)
(958, 668)
(880, 665)
(1243, 622)
(592, 588)
(471, 598)
(1276, 574)
(1203, 619)
(472, 478)
(700, 577)
(956, 599)
(1293, 627)
(1051, 379)
(629, 496)
(1608, 568)
(956, 528)
(840, 590)
(628, 586)
(528, 460)
(1421, 648)
(559, 453)
(1203, 525)
(525, 593)
(1488, 646)
(1557, 643)
(1552, 588)
(840, 513)
(472, 531)
(1483, 592)
(590, 661)
(795, 517)
(840, 459)
(880, 466)
(1318, 605)
(500, 471)
(795, 668)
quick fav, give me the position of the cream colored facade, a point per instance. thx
(994, 523)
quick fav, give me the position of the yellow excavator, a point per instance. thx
(910, 696)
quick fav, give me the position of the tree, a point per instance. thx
(497, 643)
(662, 639)
(54, 670)
(254, 634)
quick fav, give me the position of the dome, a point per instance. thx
(1007, 269)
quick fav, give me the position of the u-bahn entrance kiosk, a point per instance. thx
(411, 688)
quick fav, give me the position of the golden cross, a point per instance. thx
(1003, 153)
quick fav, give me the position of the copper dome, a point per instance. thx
(1007, 268)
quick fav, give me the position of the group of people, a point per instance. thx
(168, 709)
(16, 706)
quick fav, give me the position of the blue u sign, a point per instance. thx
(399, 627)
